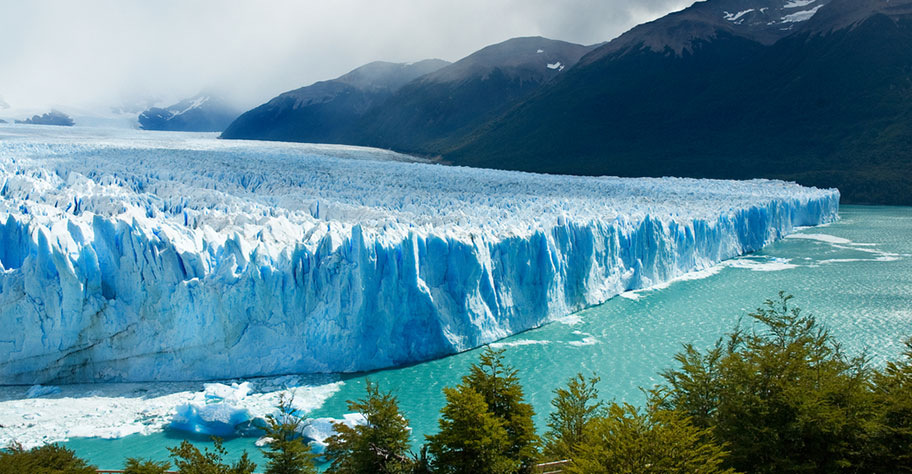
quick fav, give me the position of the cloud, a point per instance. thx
(103, 53)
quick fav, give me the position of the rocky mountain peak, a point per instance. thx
(763, 21)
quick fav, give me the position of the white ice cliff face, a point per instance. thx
(136, 256)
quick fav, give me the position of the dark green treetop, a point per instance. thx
(287, 452)
(782, 395)
(574, 408)
(145, 466)
(498, 384)
(381, 445)
(188, 459)
(626, 440)
(471, 438)
(47, 459)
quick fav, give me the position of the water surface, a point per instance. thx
(855, 275)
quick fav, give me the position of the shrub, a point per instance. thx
(783, 397)
(48, 459)
(189, 460)
(891, 434)
(657, 441)
(140, 466)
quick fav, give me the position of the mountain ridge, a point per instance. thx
(325, 111)
(431, 113)
(201, 113)
(433, 109)
(722, 89)
(805, 108)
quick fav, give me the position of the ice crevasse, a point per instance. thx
(138, 257)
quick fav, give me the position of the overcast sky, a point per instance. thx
(98, 54)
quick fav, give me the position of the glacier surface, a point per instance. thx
(138, 256)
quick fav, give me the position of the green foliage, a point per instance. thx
(485, 424)
(145, 466)
(657, 441)
(287, 452)
(783, 397)
(48, 459)
(499, 385)
(471, 438)
(696, 391)
(421, 463)
(189, 460)
(379, 446)
(891, 436)
(574, 408)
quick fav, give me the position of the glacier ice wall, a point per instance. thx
(128, 256)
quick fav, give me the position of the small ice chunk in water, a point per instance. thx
(36, 391)
(319, 429)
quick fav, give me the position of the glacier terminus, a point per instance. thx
(137, 256)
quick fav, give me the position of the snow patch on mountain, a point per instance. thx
(801, 16)
(195, 103)
(733, 17)
(798, 3)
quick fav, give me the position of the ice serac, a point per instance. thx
(161, 257)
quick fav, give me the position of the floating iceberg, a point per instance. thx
(37, 391)
(220, 415)
(129, 256)
(217, 419)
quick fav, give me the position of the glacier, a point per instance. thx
(152, 256)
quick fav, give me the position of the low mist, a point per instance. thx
(127, 55)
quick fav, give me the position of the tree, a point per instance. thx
(658, 441)
(287, 452)
(145, 466)
(574, 408)
(485, 426)
(891, 436)
(189, 460)
(783, 397)
(696, 384)
(499, 385)
(471, 438)
(48, 459)
(380, 445)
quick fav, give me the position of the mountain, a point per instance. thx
(202, 113)
(327, 111)
(425, 111)
(54, 117)
(698, 94)
(445, 106)
(762, 21)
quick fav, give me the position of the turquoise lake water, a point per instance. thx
(855, 275)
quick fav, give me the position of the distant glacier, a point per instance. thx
(131, 256)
